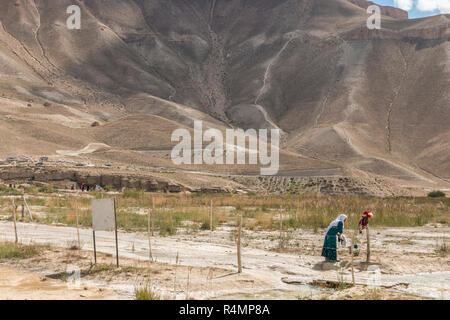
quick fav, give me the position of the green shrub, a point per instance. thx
(436, 194)
(443, 249)
(9, 191)
(167, 227)
(146, 293)
(46, 189)
(133, 193)
(9, 250)
(206, 225)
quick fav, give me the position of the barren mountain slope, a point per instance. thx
(344, 96)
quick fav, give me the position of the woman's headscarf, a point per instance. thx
(334, 223)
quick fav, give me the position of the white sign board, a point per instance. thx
(103, 215)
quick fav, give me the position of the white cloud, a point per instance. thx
(404, 4)
(442, 6)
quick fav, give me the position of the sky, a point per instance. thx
(418, 8)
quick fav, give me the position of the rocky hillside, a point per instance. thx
(348, 100)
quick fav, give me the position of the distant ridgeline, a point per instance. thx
(385, 10)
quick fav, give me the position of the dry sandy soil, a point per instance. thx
(20, 284)
(405, 264)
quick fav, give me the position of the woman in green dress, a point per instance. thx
(335, 229)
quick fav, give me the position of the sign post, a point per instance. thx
(14, 220)
(115, 228)
(95, 248)
(104, 218)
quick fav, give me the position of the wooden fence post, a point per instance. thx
(14, 220)
(351, 253)
(368, 244)
(281, 229)
(78, 230)
(239, 245)
(175, 278)
(23, 206)
(151, 217)
(211, 217)
(188, 285)
(115, 224)
(150, 255)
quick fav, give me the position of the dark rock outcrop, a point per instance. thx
(114, 180)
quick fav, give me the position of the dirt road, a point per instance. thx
(398, 259)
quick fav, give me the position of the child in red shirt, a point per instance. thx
(364, 220)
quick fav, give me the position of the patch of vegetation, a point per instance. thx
(260, 211)
(10, 250)
(132, 193)
(372, 294)
(9, 191)
(46, 189)
(98, 268)
(443, 249)
(36, 202)
(73, 245)
(146, 292)
(436, 194)
(167, 227)
(206, 224)
(338, 285)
